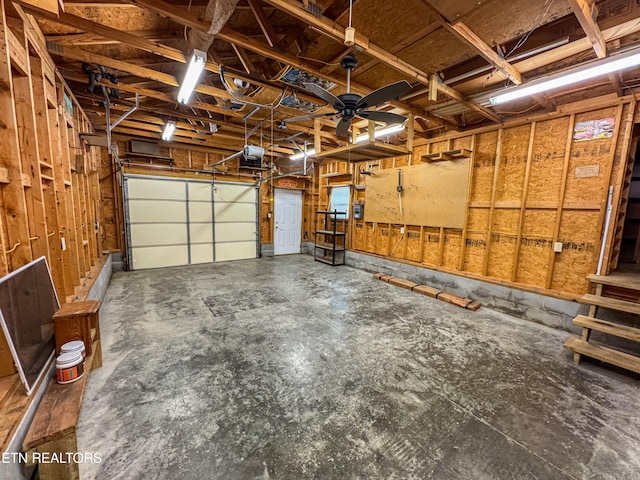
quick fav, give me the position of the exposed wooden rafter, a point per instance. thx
(336, 31)
(465, 34)
(227, 34)
(586, 13)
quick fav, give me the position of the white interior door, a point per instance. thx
(287, 221)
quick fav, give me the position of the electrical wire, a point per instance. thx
(319, 61)
(535, 24)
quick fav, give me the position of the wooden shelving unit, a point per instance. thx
(330, 240)
(448, 155)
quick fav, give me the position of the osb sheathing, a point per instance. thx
(535, 198)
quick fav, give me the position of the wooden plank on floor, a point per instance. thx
(401, 282)
(604, 354)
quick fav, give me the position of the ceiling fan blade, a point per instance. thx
(308, 117)
(323, 94)
(343, 126)
(384, 94)
(386, 117)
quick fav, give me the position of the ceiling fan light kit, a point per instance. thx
(349, 105)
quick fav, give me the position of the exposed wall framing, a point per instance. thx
(49, 192)
(532, 186)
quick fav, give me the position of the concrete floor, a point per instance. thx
(285, 368)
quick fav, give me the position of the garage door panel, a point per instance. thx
(234, 232)
(142, 188)
(234, 193)
(173, 222)
(158, 234)
(202, 253)
(158, 211)
(200, 212)
(156, 257)
(200, 191)
(235, 212)
(235, 251)
(201, 232)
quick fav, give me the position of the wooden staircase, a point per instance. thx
(619, 292)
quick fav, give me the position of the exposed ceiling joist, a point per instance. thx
(143, 72)
(263, 22)
(586, 13)
(337, 32)
(188, 19)
(463, 33)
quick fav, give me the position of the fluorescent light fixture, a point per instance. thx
(196, 65)
(381, 132)
(169, 128)
(575, 75)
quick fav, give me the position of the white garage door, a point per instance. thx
(181, 222)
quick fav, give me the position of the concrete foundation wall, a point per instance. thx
(531, 306)
(102, 282)
(266, 250)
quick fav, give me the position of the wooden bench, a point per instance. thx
(53, 430)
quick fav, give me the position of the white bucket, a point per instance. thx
(69, 367)
(74, 346)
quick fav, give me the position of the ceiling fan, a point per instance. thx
(349, 105)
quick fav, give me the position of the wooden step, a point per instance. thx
(604, 354)
(611, 303)
(611, 328)
(617, 279)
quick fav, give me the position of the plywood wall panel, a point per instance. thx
(513, 160)
(578, 233)
(452, 248)
(547, 159)
(474, 253)
(431, 240)
(413, 248)
(484, 160)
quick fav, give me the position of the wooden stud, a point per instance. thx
(627, 156)
(463, 240)
(563, 189)
(441, 247)
(28, 139)
(17, 227)
(496, 171)
(523, 202)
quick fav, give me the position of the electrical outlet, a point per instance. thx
(401, 230)
(557, 247)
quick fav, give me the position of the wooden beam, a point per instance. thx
(143, 72)
(188, 19)
(263, 22)
(463, 33)
(586, 12)
(15, 216)
(336, 31)
(244, 58)
(146, 92)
